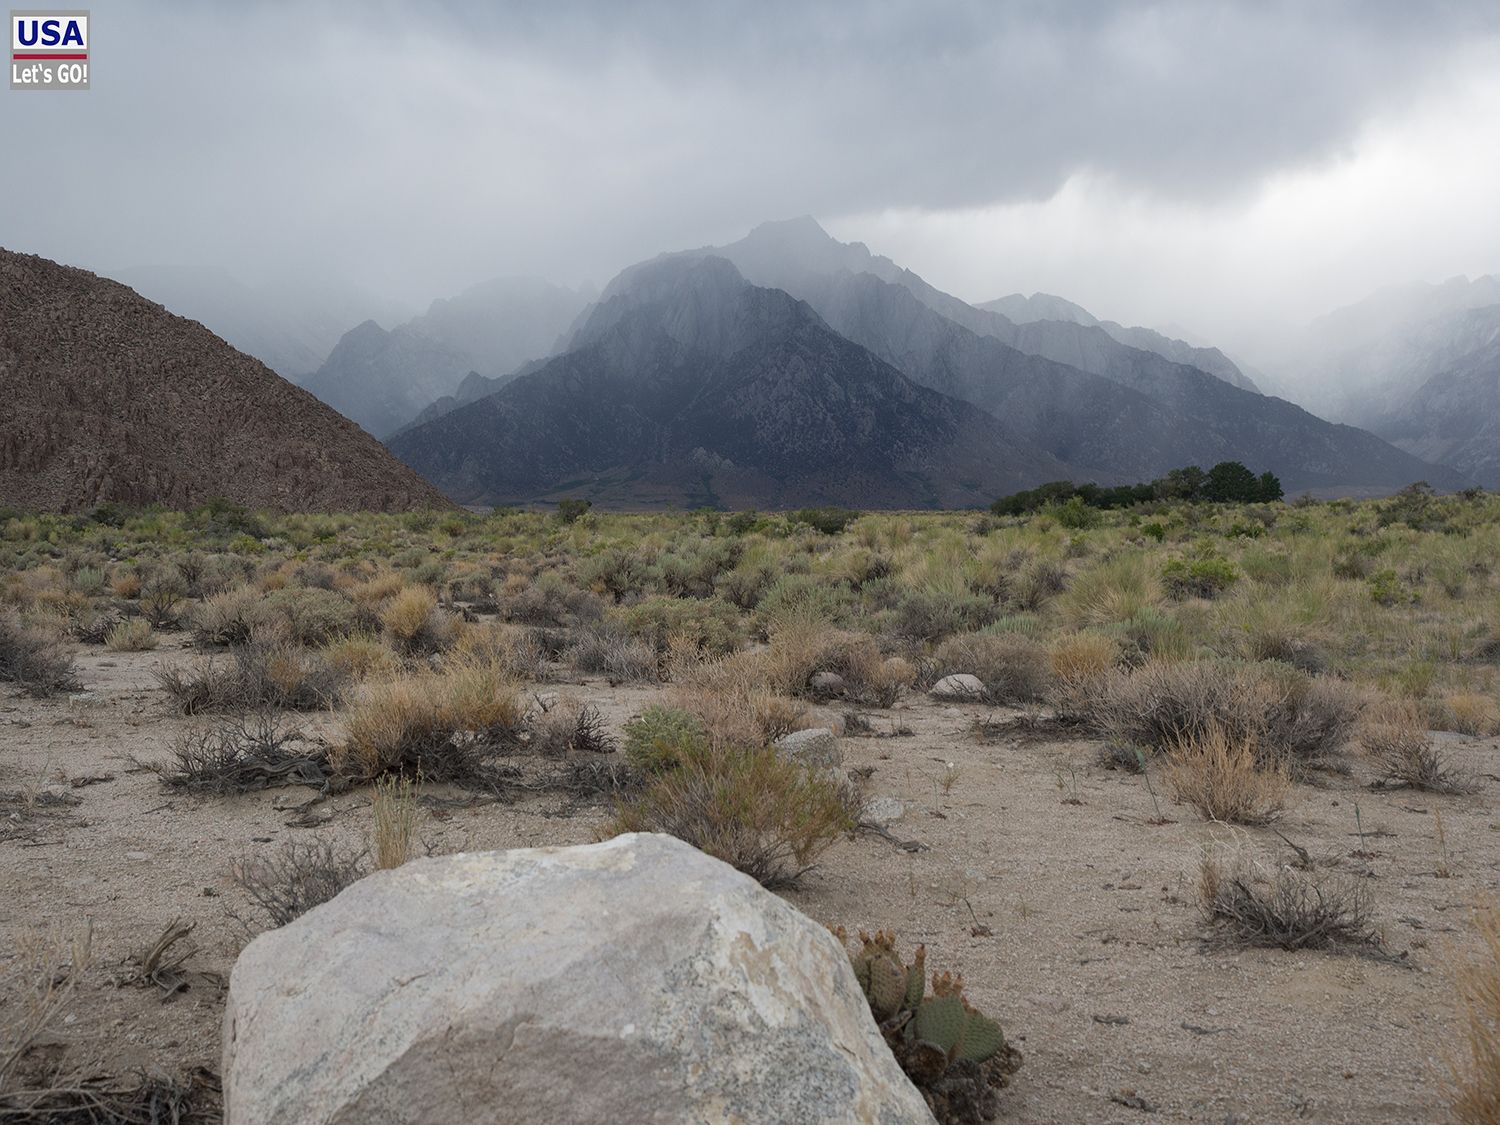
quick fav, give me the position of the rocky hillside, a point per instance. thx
(109, 397)
(688, 385)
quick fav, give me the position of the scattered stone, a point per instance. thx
(814, 748)
(883, 811)
(960, 686)
(633, 980)
(827, 683)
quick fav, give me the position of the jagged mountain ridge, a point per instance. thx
(687, 384)
(465, 344)
(1119, 411)
(109, 397)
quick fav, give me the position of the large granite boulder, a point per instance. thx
(636, 980)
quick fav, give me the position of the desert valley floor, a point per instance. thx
(1046, 879)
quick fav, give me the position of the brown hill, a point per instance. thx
(108, 396)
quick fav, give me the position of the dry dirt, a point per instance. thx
(1037, 874)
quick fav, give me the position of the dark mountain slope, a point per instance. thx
(1047, 379)
(109, 397)
(687, 384)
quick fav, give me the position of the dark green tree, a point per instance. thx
(1229, 482)
(1270, 487)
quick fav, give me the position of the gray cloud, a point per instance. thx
(418, 150)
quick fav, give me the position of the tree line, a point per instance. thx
(1228, 482)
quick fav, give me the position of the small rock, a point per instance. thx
(827, 683)
(138, 857)
(816, 747)
(959, 686)
(883, 811)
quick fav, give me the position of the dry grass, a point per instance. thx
(446, 724)
(1473, 1086)
(255, 677)
(49, 968)
(1222, 776)
(134, 634)
(1285, 909)
(360, 657)
(569, 726)
(753, 809)
(1470, 713)
(395, 821)
(416, 625)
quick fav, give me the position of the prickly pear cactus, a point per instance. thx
(954, 1054)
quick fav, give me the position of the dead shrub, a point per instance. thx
(241, 754)
(1403, 752)
(448, 724)
(1224, 779)
(1293, 719)
(161, 601)
(33, 658)
(1013, 668)
(520, 653)
(303, 874)
(569, 726)
(760, 813)
(1287, 910)
(227, 618)
(608, 650)
(256, 677)
(1473, 1087)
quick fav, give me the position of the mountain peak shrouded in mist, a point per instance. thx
(688, 384)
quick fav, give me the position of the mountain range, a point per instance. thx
(1058, 398)
(109, 397)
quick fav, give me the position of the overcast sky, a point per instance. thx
(1217, 166)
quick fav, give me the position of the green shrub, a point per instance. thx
(931, 615)
(711, 625)
(661, 739)
(830, 521)
(1199, 578)
(757, 811)
(1013, 668)
(569, 510)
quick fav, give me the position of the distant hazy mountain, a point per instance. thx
(1045, 306)
(467, 344)
(290, 326)
(1118, 410)
(382, 379)
(686, 384)
(109, 397)
(1416, 364)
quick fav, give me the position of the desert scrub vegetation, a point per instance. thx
(1224, 777)
(1473, 1085)
(1287, 909)
(33, 657)
(756, 810)
(1143, 616)
(449, 724)
(954, 1054)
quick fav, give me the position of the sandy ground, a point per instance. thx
(1034, 871)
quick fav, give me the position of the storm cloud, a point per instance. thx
(1105, 151)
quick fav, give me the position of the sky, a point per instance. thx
(1223, 168)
